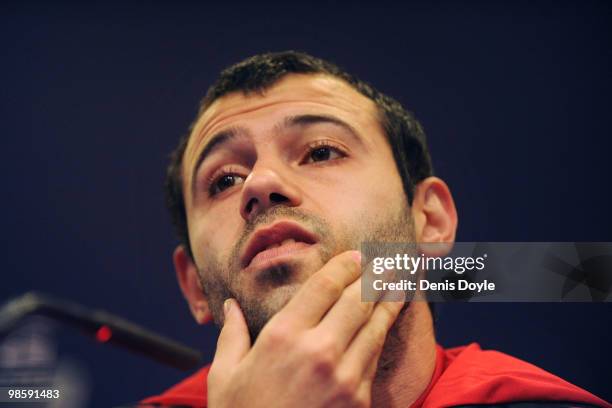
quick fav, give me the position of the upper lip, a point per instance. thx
(275, 234)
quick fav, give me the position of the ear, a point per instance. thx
(189, 281)
(434, 212)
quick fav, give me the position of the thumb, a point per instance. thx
(234, 340)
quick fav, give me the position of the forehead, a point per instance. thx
(293, 94)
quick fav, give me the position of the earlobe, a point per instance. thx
(189, 282)
(434, 212)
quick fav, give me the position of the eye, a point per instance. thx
(224, 182)
(323, 153)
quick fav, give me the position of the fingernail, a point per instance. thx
(357, 256)
(227, 305)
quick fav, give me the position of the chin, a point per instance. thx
(274, 299)
(259, 307)
(273, 288)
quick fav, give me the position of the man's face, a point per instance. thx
(277, 184)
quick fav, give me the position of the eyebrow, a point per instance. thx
(307, 120)
(215, 143)
(224, 136)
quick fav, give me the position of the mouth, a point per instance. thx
(281, 239)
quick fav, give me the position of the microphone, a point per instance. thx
(103, 326)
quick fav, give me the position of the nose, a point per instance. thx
(264, 188)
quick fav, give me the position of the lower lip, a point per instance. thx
(271, 255)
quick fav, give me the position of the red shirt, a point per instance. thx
(463, 375)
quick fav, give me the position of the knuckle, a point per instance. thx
(378, 339)
(327, 285)
(364, 308)
(350, 265)
(276, 335)
(323, 366)
(362, 402)
(322, 355)
(345, 388)
(388, 311)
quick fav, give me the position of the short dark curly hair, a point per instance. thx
(260, 72)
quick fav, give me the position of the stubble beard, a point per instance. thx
(274, 287)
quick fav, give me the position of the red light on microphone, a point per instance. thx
(104, 334)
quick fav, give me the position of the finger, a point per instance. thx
(367, 345)
(322, 290)
(347, 316)
(234, 341)
(364, 392)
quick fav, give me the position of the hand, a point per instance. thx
(320, 350)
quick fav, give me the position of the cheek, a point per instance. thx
(373, 190)
(354, 203)
(214, 234)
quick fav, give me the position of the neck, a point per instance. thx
(408, 359)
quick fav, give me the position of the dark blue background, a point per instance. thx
(515, 99)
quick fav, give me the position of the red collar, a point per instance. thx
(463, 375)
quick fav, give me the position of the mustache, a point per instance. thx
(317, 224)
